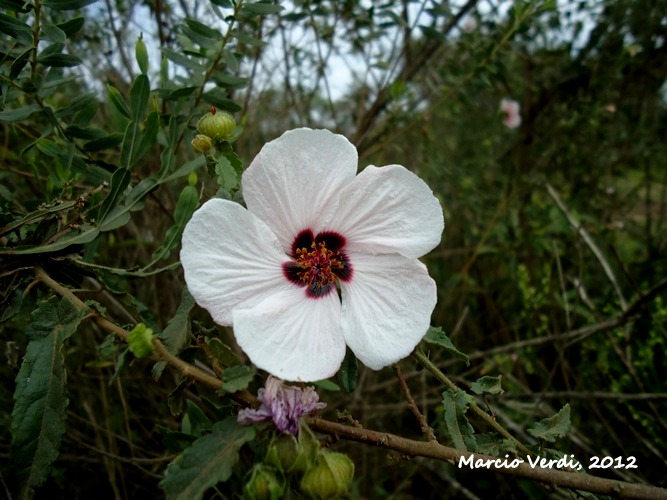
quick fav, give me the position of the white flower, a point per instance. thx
(321, 258)
(512, 111)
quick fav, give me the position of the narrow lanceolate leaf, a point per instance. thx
(260, 8)
(187, 203)
(437, 337)
(207, 462)
(553, 427)
(81, 236)
(59, 60)
(14, 115)
(38, 418)
(13, 27)
(458, 427)
(117, 100)
(66, 4)
(119, 182)
(177, 333)
(139, 97)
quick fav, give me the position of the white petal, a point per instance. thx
(292, 336)
(387, 307)
(294, 181)
(389, 210)
(230, 257)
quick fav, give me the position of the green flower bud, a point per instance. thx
(287, 454)
(140, 341)
(263, 484)
(141, 54)
(202, 144)
(218, 125)
(331, 477)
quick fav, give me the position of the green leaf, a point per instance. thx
(227, 179)
(230, 81)
(347, 375)
(249, 40)
(236, 378)
(85, 234)
(203, 30)
(188, 167)
(118, 101)
(458, 427)
(119, 181)
(139, 191)
(16, 5)
(38, 418)
(187, 203)
(487, 385)
(177, 333)
(15, 115)
(141, 53)
(217, 98)
(53, 33)
(59, 60)
(222, 353)
(13, 27)
(148, 137)
(71, 26)
(186, 62)
(107, 142)
(260, 8)
(66, 4)
(208, 461)
(140, 341)
(437, 337)
(553, 427)
(139, 93)
(131, 141)
(19, 63)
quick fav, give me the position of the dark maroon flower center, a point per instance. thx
(319, 262)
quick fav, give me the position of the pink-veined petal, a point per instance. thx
(230, 258)
(386, 308)
(389, 210)
(294, 181)
(291, 336)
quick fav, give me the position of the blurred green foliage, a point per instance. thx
(561, 292)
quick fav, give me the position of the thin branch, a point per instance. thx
(161, 351)
(551, 477)
(585, 235)
(426, 429)
(422, 359)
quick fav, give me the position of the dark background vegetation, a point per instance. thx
(551, 271)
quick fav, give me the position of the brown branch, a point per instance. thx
(551, 477)
(430, 449)
(161, 352)
(426, 429)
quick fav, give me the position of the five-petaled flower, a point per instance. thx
(283, 404)
(511, 111)
(320, 258)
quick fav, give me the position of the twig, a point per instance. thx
(488, 419)
(432, 449)
(161, 351)
(591, 244)
(426, 429)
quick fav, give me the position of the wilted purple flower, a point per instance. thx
(283, 404)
